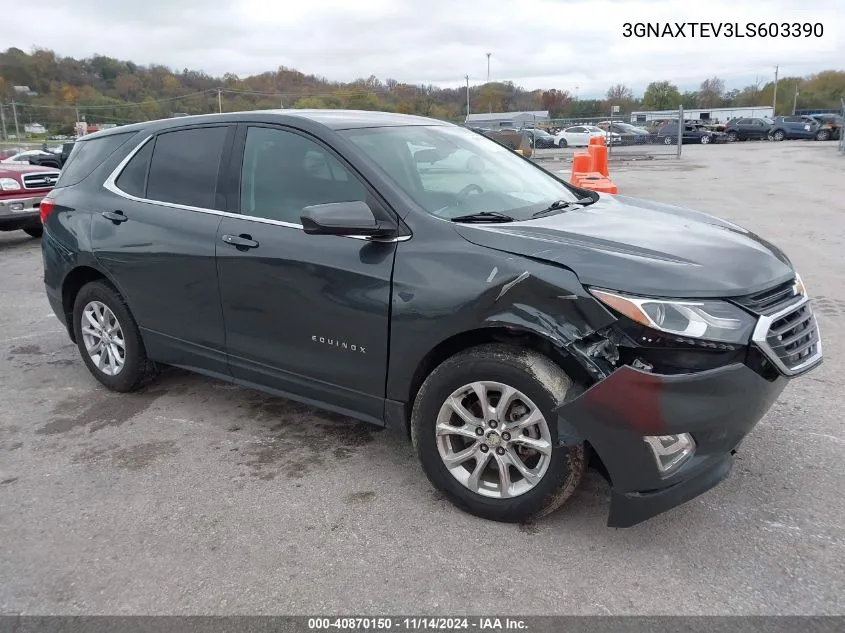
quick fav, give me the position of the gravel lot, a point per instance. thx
(195, 496)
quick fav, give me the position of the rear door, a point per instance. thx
(306, 315)
(156, 238)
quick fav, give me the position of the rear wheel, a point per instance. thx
(34, 231)
(705, 140)
(778, 135)
(823, 135)
(732, 137)
(483, 429)
(668, 140)
(108, 337)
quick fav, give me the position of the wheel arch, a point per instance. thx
(499, 333)
(73, 283)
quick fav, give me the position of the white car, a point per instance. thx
(23, 157)
(580, 135)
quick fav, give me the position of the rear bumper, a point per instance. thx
(717, 407)
(18, 213)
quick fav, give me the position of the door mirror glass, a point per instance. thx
(343, 218)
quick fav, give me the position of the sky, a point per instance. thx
(571, 45)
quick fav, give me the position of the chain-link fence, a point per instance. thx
(659, 137)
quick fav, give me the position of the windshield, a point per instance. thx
(450, 171)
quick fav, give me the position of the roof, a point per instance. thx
(333, 119)
(496, 116)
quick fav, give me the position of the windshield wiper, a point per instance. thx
(484, 216)
(562, 205)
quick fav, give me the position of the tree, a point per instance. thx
(555, 101)
(661, 95)
(619, 94)
(690, 99)
(710, 92)
(128, 86)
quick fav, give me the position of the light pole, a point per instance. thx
(467, 78)
(775, 95)
(488, 81)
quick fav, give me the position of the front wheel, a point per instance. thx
(732, 137)
(823, 135)
(562, 143)
(108, 337)
(778, 136)
(705, 140)
(483, 429)
(668, 140)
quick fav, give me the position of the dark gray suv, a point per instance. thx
(516, 327)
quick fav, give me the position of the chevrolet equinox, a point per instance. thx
(420, 276)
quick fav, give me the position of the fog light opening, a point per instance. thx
(670, 451)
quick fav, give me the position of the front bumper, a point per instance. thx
(19, 212)
(718, 407)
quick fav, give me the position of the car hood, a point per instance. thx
(645, 248)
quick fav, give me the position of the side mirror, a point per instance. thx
(344, 218)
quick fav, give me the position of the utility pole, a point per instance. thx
(488, 79)
(15, 115)
(467, 78)
(795, 99)
(775, 96)
(3, 120)
(219, 100)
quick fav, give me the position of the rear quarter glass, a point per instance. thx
(87, 155)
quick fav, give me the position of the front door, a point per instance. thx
(306, 315)
(155, 236)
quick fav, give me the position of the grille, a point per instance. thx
(40, 181)
(794, 337)
(770, 301)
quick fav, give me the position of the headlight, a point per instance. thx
(706, 319)
(799, 287)
(9, 184)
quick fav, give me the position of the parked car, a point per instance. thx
(22, 187)
(692, 134)
(24, 156)
(50, 159)
(540, 139)
(580, 135)
(793, 127)
(513, 139)
(830, 126)
(628, 134)
(747, 128)
(514, 325)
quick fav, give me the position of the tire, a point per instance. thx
(136, 367)
(705, 140)
(778, 135)
(732, 137)
(544, 386)
(34, 231)
(562, 143)
(823, 135)
(668, 140)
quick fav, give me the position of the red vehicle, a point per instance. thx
(22, 187)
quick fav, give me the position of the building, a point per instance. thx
(716, 115)
(499, 120)
(34, 128)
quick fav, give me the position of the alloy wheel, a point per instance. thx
(103, 338)
(493, 439)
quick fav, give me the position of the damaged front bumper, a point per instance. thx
(717, 407)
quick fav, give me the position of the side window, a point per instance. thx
(283, 172)
(133, 178)
(86, 156)
(743, 122)
(792, 119)
(184, 166)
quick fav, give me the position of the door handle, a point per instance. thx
(240, 241)
(115, 216)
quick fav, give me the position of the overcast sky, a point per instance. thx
(534, 43)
